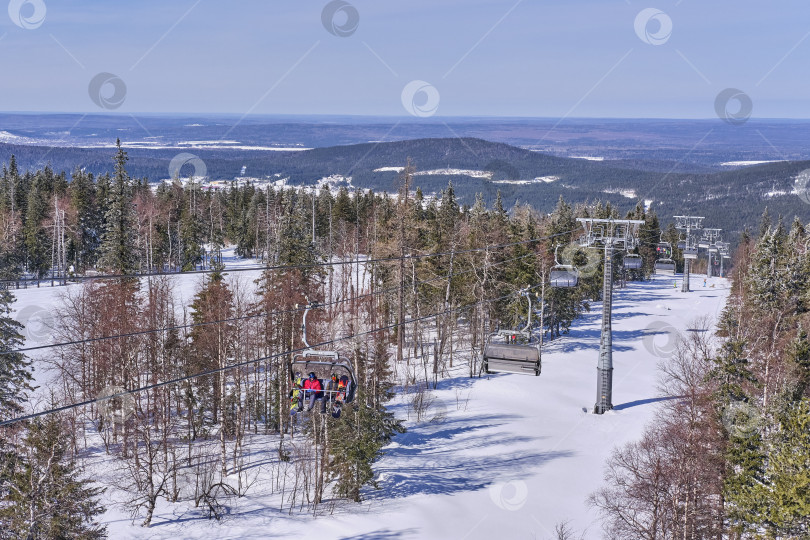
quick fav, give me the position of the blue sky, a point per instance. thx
(549, 58)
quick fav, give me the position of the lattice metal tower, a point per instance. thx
(688, 224)
(710, 238)
(607, 234)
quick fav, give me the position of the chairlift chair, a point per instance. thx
(633, 261)
(690, 253)
(664, 250)
(322, 363)
(514, 351)
(563, 276)
(665, 266)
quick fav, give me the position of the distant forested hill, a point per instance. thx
(730, 200)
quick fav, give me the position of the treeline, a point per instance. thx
(729, 455)
(729, 199)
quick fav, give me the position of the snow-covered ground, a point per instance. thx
(748, 163)
(504, 456)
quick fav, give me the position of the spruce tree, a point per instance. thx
(118, 243)
(15, 369)
(43, 496)
(788, 501)
(37, 244)
(363, 429)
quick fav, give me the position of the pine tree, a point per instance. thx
(43, 496)
(191, 230)
(84, 245)
(118, 243)
(788, 501)
(363, 429)
(37, 244)
(15, 369)
(768, 279)
(798, 363)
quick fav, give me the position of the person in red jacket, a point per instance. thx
(312, 389)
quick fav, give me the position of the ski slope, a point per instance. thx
(496, 457)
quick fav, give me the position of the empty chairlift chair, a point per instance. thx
(510, 351)
(665, 267)
(563, 276)
(633, 261)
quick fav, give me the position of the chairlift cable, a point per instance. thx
(214, 371)
(254, 316)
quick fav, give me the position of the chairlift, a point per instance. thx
(514, 351)
(324, 364)
(665, 266)
(664, 250)
(690, 253)
(563, 276)
(633, 261)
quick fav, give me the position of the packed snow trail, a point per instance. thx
(502, 455)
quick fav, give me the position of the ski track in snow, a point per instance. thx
(501, 455)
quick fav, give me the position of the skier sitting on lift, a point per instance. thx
(312, 387)
(332, 388)
(342, 386)
(296, 396)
